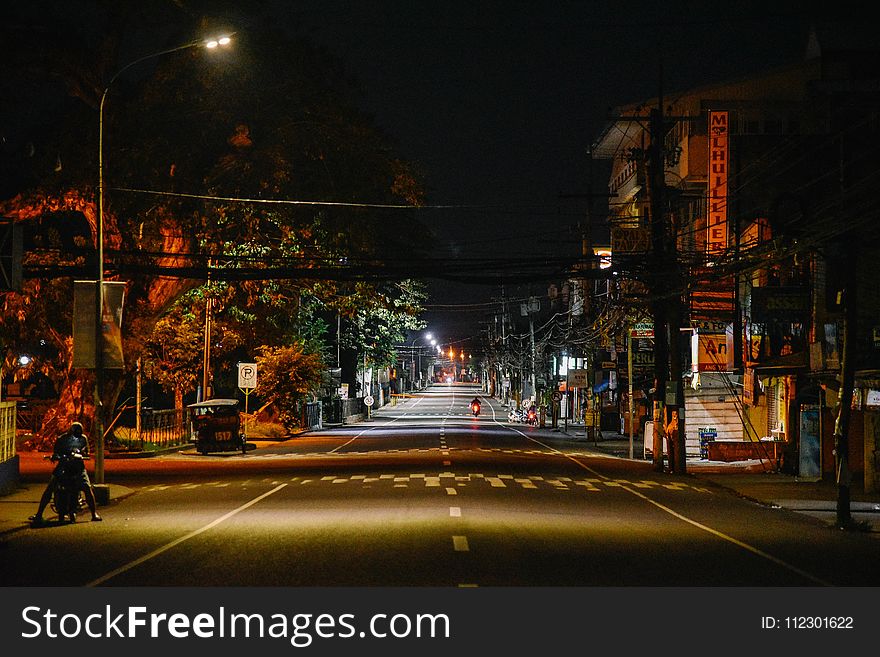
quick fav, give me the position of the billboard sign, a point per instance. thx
(719, 168)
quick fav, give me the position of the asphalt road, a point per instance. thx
(423, 494)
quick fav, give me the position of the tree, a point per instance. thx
(276, 120)
(287, 375)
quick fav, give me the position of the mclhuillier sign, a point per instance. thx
(719, 167)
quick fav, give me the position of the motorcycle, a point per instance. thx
(475, 408)
(532, 418)
(68, 498)
(516, 415)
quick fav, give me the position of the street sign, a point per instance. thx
(578, 378)
(247, 375)
(557, 396)
(369, 401)
(643, 330)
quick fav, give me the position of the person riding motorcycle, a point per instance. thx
(475, 405)
(532, 415)
(72, 440)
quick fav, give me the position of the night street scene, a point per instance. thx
(441, 295)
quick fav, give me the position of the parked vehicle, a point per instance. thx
(68, 498)
(217, 426)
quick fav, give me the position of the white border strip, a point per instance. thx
(178, 541)
(675, 514)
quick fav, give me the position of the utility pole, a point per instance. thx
(206, 348)
(656, 183)
(667, 311)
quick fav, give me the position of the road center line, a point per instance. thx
(178, 541)
(381, 426)
(675, 514)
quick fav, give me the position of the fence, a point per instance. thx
(7, 431)
(338, 410)
(312, 415)
(163, 428)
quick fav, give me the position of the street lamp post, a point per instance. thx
(412, 356)
(99, 239)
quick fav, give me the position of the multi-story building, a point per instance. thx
(767, 210)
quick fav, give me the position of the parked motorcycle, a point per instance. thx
(68, 498)
(516, 415)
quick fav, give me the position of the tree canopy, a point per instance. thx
(203, 150)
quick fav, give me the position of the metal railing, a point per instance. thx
(312, 415)
(161, 429)
(7, 431)
(337, 410)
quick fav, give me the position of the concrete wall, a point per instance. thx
(9, 476)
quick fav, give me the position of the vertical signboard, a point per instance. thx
(719, 168)
(111, 324)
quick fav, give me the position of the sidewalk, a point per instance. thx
(16, 507)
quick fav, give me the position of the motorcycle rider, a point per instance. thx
(475, 405)
(73, 439)
(532, 415)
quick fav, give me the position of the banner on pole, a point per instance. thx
(111, 324)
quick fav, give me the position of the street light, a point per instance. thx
(99, 239)
(412, 354)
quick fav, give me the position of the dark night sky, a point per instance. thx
(497, 102)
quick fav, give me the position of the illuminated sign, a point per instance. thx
(719, 167)
(709, 352)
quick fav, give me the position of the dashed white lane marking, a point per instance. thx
(460, 544)
(455, 512)
(451, 491)
(380, 426)
(178, 541)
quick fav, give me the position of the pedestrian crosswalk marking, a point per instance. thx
(460, 544)
(445, 479)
